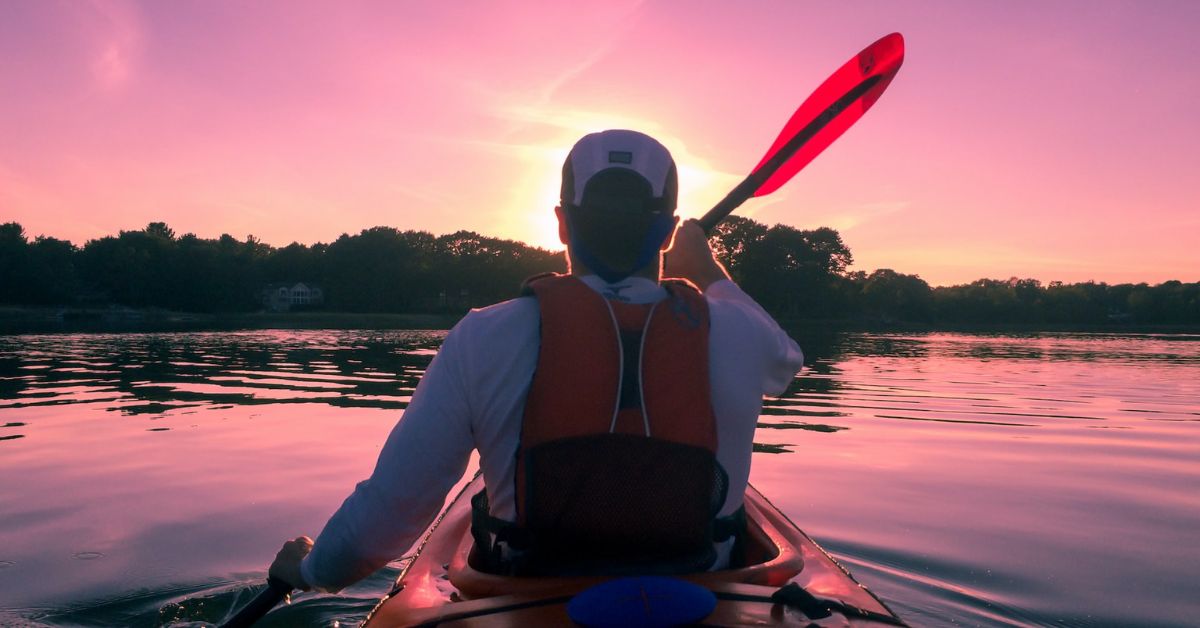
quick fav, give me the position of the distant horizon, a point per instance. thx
(1052, 140)
(852, 268)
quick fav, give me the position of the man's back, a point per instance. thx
(473, 394)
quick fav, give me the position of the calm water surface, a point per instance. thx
(148, 479)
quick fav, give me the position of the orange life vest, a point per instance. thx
(616, 467)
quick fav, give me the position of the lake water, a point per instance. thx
(969, 480)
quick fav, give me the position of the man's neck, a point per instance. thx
(652, 271)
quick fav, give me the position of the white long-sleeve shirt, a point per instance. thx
(472, 396)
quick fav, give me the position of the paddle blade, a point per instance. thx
(872, 69)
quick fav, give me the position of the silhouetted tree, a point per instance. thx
(789, 271)
(378, 270)
(51, 277)
(14, 264)
(732, 238)
(889, 294)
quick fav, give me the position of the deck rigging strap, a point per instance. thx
(814, 607)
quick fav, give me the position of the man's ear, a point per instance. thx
(564, 234)
(671, 238)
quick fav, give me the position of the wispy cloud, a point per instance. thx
(851, 217)
(118, 46)
(546, 94)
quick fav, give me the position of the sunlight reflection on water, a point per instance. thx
(970, 479)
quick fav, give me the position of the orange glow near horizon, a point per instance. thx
(1053, 142)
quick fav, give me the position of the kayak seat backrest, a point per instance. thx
(770, 555)
(620, 504)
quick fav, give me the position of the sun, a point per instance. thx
(530, 216)
(546, 228)
(546, 190)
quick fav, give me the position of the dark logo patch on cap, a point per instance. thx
(620, 157)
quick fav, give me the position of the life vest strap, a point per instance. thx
(492, 534)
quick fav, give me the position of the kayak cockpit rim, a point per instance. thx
(441, 584)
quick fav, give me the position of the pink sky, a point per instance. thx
(1054, 140)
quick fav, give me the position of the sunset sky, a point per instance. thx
(1054, 140)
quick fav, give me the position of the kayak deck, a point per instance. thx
(440, 587)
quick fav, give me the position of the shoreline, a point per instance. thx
(19, 321)
(900, 327)
(16, 320)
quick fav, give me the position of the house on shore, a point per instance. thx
(283, 297)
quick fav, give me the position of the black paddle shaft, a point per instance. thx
(261, 605)
(750, 184)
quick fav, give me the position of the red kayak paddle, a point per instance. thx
(836, 105)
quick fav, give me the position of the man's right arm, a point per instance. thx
(691, 258)
(781, 358)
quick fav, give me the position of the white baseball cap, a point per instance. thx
(620, 169)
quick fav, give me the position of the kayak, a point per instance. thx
(788, 581)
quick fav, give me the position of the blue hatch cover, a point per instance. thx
(642, 602)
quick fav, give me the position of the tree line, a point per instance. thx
(793, 273)
(805, 274)
(378, 270)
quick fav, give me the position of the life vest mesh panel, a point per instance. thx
(638, 515)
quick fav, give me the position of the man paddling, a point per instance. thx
(613, 412)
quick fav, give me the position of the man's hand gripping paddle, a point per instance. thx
(836, 105)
